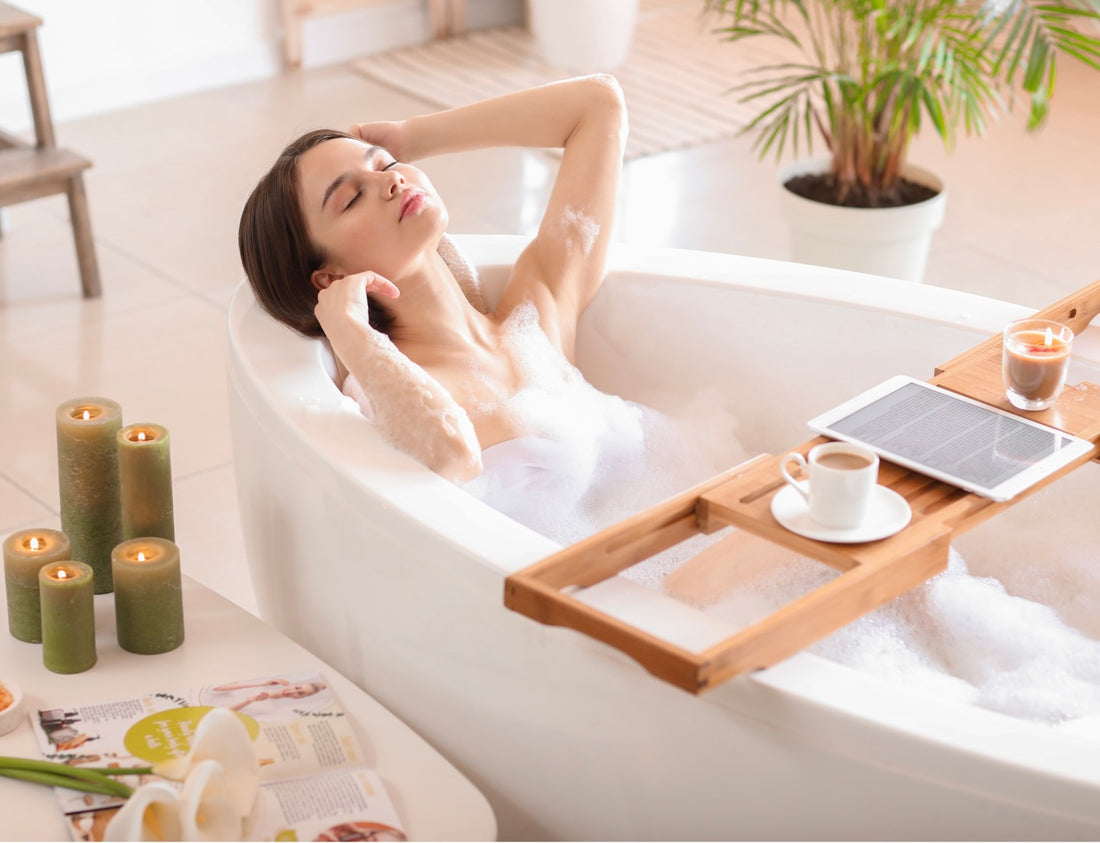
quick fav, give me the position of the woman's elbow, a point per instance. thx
(607, 101)
(458, 464)
(457, 452)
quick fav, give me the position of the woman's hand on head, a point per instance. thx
(389, 134)
(344, 299)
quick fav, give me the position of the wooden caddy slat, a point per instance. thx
(871, 573)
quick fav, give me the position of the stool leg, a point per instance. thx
(36, 83)
(82, 235)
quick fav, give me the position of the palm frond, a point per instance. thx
(874, 72)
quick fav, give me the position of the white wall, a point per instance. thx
(101, 55)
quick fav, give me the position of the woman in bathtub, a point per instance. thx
(345, 236)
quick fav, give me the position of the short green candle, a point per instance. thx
(25, 552)
(148, 595)
(87, 474)
(65, 591)
(145, 478)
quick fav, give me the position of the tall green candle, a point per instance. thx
(148, 595)
(65, 591)
(25, 552)
(87, 473)
(145, 481)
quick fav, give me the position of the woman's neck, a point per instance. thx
(432, 313)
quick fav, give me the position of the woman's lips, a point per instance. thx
(412, 202)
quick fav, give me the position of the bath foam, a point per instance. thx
(598, 457)
(579, 229)
(960, 636)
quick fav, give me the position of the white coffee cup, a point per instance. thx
(842, 478)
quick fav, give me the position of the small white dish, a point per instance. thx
(887, 513)
(12, 713)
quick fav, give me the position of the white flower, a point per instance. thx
(222, 737)
(206, 811)
(220, 775)
(152, 813)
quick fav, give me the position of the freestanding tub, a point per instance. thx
(395, 577)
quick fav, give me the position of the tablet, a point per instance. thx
(953, 438)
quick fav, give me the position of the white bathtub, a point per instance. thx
(395, 577)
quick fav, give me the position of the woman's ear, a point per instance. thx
(321, 278)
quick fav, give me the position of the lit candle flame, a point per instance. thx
(86, 415)
(141, 436)
(34, 542)
(140, 556)
(62, 574)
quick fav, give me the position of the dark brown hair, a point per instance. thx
(276, 250)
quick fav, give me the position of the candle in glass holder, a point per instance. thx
(65, 591)
(87, 474)
(148, 595)
(25, 552)
(1035, 360)
(145, 478)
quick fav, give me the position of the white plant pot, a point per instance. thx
(583, 36)
(882, 241)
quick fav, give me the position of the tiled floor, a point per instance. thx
(170, 178)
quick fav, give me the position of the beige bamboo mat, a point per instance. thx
(676, 79)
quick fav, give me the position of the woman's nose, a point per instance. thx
(395, 182)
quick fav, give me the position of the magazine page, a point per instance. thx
(298, 730)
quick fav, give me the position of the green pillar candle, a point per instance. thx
(145, 481)
(25, 553)
(65, 592)
(148, 595)
(87, 473)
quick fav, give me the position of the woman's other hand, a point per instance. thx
(344, 299)
(391, 135)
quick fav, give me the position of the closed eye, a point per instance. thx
(359, 193)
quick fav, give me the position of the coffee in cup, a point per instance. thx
(842, 479)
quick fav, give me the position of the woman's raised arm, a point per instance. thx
(586, 117)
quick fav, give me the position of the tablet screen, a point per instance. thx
(951, 437)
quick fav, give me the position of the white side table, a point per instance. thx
(223, 642)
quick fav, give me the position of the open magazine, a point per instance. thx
(312, 771)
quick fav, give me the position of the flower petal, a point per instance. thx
(205, 811)
(150, 814)
(221, 736)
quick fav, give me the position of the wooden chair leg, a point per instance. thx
(292, 34)
(458, 17)
(82, 235)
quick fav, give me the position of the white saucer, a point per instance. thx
(887, 513)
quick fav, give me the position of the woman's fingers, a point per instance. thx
(346, 297)
(375, 283)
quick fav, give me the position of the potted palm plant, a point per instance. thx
(866, 76)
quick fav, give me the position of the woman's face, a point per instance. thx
(365, 210)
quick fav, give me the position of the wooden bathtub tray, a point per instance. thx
(871, 573)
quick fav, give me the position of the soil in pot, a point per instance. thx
(823, 187)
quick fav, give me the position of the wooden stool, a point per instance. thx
(43, 169)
